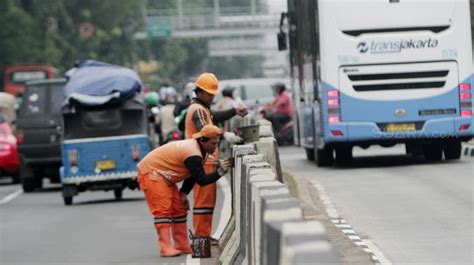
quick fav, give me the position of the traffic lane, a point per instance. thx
(413, 210)
(7, 188)
(37, 228)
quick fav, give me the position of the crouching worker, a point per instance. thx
(162, 169)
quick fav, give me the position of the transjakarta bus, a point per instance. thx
(15, 76)
(381, 72)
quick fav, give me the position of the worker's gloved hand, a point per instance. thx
(184, 201)
(225, 165)
(232, 138)
(241, 111)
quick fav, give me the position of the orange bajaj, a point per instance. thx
(105, 130)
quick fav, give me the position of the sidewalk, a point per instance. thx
(314, 209)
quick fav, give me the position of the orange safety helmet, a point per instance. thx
(207, 82)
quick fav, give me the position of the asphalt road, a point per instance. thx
(415, 212)
(37, 228)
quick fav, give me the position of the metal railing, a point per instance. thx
(208, 18)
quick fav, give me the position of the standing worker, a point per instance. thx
(162, 168)
(199, 115)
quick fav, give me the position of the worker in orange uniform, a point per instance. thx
(162, 168)
(199, 115)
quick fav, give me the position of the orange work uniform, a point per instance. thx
(158, 174)
(197, 117)
(204, 196)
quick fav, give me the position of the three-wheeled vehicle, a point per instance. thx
(105, 130)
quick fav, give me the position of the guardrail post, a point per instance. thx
(257, 189)
(248, 162)
(269, 148)
(264, 176)
(275, 213)
(305, 242)
(231, 249)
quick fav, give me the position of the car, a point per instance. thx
(9, 164)
(39, 132)
(253, 92)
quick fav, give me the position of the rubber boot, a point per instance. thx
(180, 237)
(166, 250)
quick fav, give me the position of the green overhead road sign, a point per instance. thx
(158, 27)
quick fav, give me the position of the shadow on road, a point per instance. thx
(106, 201)
(390, 161)
(367, 161)
(48, 189)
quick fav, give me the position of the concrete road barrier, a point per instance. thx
(305, 242)
(269, 148)
(230, 249)
(273, 220)
(257, 188)
(264, 213)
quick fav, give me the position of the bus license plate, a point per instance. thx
(105, 164)
(400, 127)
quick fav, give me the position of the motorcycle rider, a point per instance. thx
(282, 108)
(166, 118)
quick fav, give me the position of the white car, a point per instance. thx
(254, 92)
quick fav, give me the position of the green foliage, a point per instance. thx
(47, 31)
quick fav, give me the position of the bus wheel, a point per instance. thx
(343, 155)
(309, 153)
(413, 149)
(324, 157)
(118, 194)
(452, 149)
(433, 151)
(67, 200)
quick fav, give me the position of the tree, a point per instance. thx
(114, 22)
(47, 31)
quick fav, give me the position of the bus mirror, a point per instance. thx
(282, 41)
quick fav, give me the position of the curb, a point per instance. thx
(316, 206)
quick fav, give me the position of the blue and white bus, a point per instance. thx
(381, 72)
